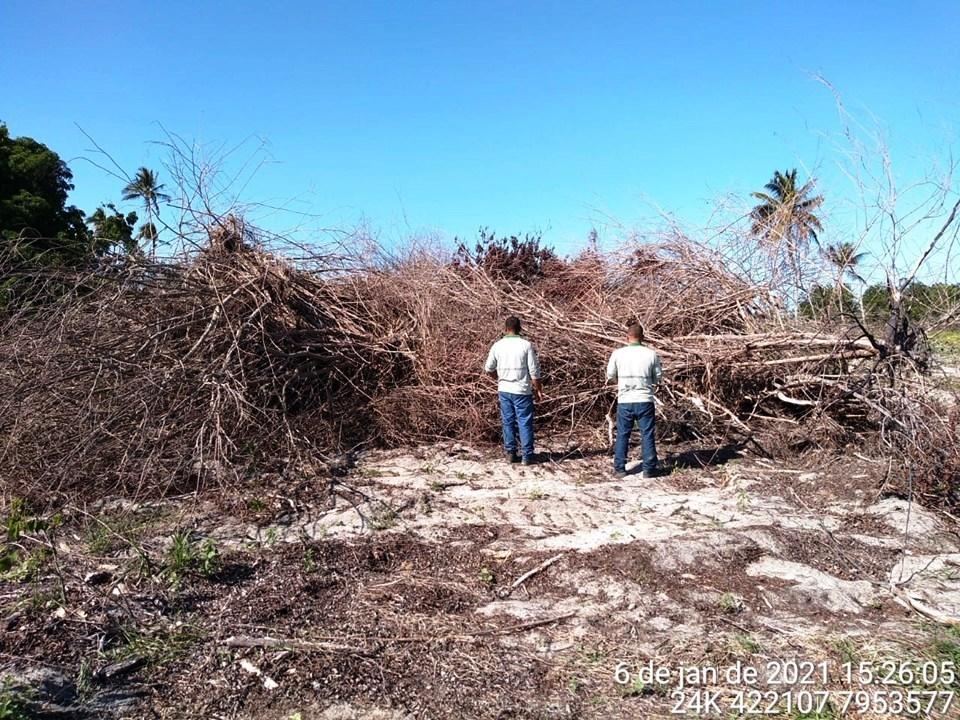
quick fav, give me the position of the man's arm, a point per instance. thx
(657, 370)
(533, 367)
(612, 368)
(537, 389)
(490, 366)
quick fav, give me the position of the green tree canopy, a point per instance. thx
(824, 302)
(785, 221)
(35, 220)
(922, 302)
(786, 211)
(845, 259)
(146, 186)
(111, 230)
(876, 301)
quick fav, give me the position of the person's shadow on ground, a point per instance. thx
(701, 458)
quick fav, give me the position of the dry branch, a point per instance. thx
(148, 378)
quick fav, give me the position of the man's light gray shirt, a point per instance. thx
(515, 362)
(636, 368)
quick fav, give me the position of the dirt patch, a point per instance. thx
(431, 610)
(841, 556)
(404, 605)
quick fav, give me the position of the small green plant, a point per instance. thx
(17, 564)
(270, 539)
(309, 560)
(371, 473)
(743, 500)
(256, 505)
(486, 576)
(536, 494)
(159, 648)
(209, 558)
(946, 343)
(730, 603)
(21, 520)
(181, 556)
(946, 648)
(875, 604)
(99, 539)
(84, 680)
(748, 643)
(382, 517)
(846, 649)
(828, 712)
(110, 532)
(13, 705)
(595, 656)
(185, 556)
(637, 688)
(41, 599)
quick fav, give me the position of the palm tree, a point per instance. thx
(845, 259)
(786, 221)
(148, 232)
(147, 187)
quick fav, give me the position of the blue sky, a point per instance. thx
(420, 118)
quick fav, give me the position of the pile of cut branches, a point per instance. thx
(729, 367)
(148, 377)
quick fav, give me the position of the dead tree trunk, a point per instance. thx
(902, 337)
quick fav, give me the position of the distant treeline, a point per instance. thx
(923, 303)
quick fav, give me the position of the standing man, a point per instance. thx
(636, 368)
(513, 362)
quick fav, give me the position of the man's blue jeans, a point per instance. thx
(644, 414)
(517, 410)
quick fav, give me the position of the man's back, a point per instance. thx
(637, 370)
(515, 362)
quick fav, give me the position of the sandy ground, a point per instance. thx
(445, 582)
(688, 522)
(790, 557)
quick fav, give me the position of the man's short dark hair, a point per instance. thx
(635, 331)
(512, 324)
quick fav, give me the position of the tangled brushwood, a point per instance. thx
(145, 378)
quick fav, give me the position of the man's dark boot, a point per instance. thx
(513, 458)
(528, 460)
